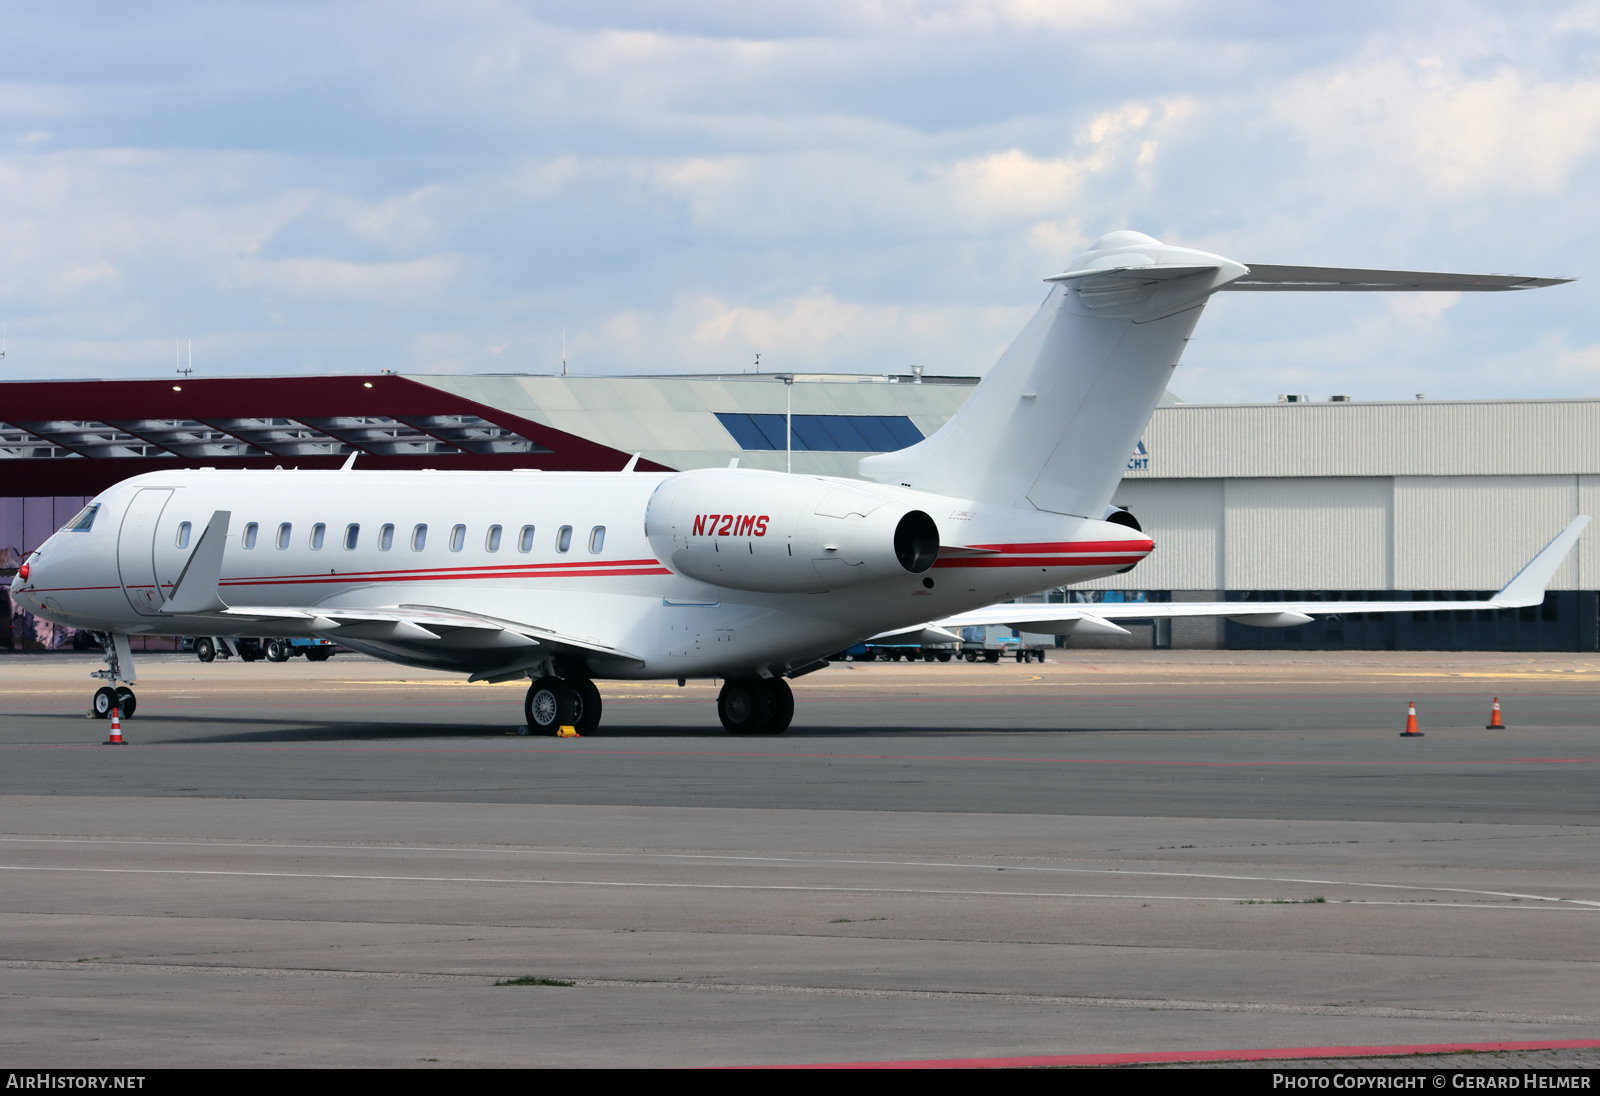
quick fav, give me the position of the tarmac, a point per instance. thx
(1112, 854)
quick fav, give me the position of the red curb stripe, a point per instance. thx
(1148, 1057)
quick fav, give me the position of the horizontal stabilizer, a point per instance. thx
(1276, 279)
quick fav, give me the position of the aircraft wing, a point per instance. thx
(1527, 587)
(428, 625)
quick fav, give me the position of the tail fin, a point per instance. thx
(1052, 425)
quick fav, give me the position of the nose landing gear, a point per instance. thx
(118, 654)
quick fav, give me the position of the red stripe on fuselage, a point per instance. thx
(405, 578)
(1040, 561)
(1073, 546)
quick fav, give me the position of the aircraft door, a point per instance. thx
(136, 550)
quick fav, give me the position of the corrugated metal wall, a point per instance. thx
(1420, 438)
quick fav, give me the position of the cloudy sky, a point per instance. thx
(841, 186)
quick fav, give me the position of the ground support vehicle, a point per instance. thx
(207, 648)
(991, 642)
(894, 652)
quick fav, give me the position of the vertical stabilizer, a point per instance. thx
(1052, 425)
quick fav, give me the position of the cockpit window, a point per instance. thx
(83, 521)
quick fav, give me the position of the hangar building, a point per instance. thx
(1295, 499)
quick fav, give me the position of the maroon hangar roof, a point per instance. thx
(80, 437)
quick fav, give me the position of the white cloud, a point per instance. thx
(1405, 120)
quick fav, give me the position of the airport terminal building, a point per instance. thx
(1302, 499)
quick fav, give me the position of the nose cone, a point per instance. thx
(23, 585)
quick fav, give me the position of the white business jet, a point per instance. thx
(744, 575)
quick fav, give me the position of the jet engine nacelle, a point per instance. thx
(776, 533)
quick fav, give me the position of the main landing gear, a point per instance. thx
(555, 702)
(118, 654)
(755, 705)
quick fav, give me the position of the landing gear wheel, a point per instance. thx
(550, 705)
(105, 698)
(589, 705)
(746, 705)
(249, 650)
(204, 649)
(126, 701)
(782, 706)
(945, 656)
(277, 651)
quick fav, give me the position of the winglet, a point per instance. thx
(1528, 585)
(196, 588)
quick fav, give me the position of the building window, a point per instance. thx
(458, 538)
(183, 535)
(419, 538)
(352, 534)
(386, 538)
(283, 535)
(525, 540)
(597, 539)
(250, 532)
(491, 540)
(564, 538)
(318, 531)
(822, 433)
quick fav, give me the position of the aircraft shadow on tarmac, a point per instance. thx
(158, 731)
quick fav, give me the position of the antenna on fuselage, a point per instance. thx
(563, 352)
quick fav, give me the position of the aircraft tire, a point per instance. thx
(745, 705)
(589, 705)
(550, 705)
(277, 651)
(105, 698)
(126, 701)
(782, 705)
(205, 649)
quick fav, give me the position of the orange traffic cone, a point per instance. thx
(1494, 723)
(1411, 722)
(116, 726)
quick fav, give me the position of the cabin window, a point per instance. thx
(564, 538)
(597, 539)
(352, 534)
(492, 540)
(318, 531)
(458, 538)
(419, 538)
(250, 532)
(386, 538)
(525, 541)
(84, 520)
(283, 535)
(183, 534)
